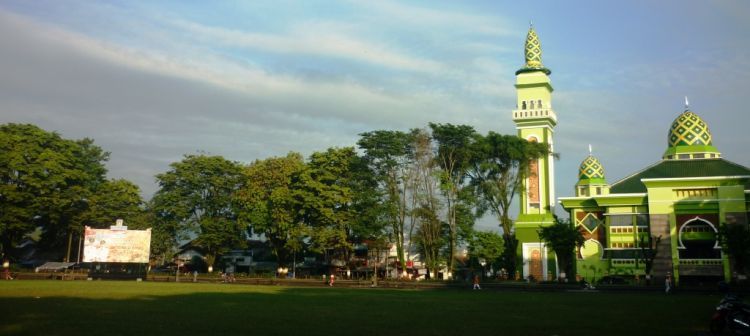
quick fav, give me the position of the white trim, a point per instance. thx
(551, 129)
(697, 218)
(621, 195)
(526, 252)
(709, 178)
(702, 200)
(528, 208)
(601, 248)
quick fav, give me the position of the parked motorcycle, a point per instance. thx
(731, 313)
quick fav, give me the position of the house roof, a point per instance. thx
(679, 169)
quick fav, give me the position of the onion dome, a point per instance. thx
(690, 138)
(592, 170)
(533, 54)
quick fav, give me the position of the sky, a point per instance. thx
(152, 81)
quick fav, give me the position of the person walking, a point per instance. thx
(332, 280)
(668, 283)
(476, 282)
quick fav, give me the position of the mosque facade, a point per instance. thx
(673, 207)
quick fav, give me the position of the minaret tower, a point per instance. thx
(535, 121)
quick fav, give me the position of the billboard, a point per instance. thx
(118, 245)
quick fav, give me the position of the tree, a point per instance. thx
(425, 205)
(487, 246)
(112, 200)
(388, 155)
(268, 202)
(735, 242)
(195, 197)
(44, 182)
(454, 155)
(499, 165)
(326, 195)
(648, 249)
(562, 238)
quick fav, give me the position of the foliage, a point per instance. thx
(735, 242)
(194, 199)
(425, 205)
(268, 202)
(648, 251)
(326, 195)
(487, 246)
(45, 181)
(499, 165)
(112, 200)
(388, 154)
(454, 155)
(563, 238)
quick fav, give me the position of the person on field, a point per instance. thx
(476, 282)
(668, 283)
(331, 280)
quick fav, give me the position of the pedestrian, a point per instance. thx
(195, 275)
(668, 283)
(476, 282)
(332, 280)
(6, 270)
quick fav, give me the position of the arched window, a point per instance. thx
(532, 105)
(523, 105)
(539, 103)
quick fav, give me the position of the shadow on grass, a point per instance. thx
(75, 308)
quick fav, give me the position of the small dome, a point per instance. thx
(690, 138)
(688, 130)
(590, 169)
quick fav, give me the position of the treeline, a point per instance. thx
(419, 190)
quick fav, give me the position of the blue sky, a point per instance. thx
(152, 81)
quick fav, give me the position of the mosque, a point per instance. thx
(675, 205)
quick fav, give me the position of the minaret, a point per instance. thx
(535, 121)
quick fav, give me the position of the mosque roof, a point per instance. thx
(680, 169)
(689, 135)
(590, 168)
(533, 54)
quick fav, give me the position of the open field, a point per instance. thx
(147, 308)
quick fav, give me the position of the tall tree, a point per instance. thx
(454, 155)
(563, 238)
(44, 182)
(326, 194)
(499, 165)
(268, 202)
(426, 206)
(196, 196)
(389, 155)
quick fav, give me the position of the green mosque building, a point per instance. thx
(681, 199)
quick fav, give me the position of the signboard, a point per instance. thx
(118, 246)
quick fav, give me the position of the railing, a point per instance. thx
(701, 262)
(534, 114)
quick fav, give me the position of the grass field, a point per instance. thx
(147, 308)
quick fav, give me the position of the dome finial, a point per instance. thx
(687, 104)
(590, 150)
(531, 24)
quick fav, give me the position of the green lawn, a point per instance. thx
(148, 308)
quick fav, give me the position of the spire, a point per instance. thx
(532, 52)
(590, 150)
(687, 104)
